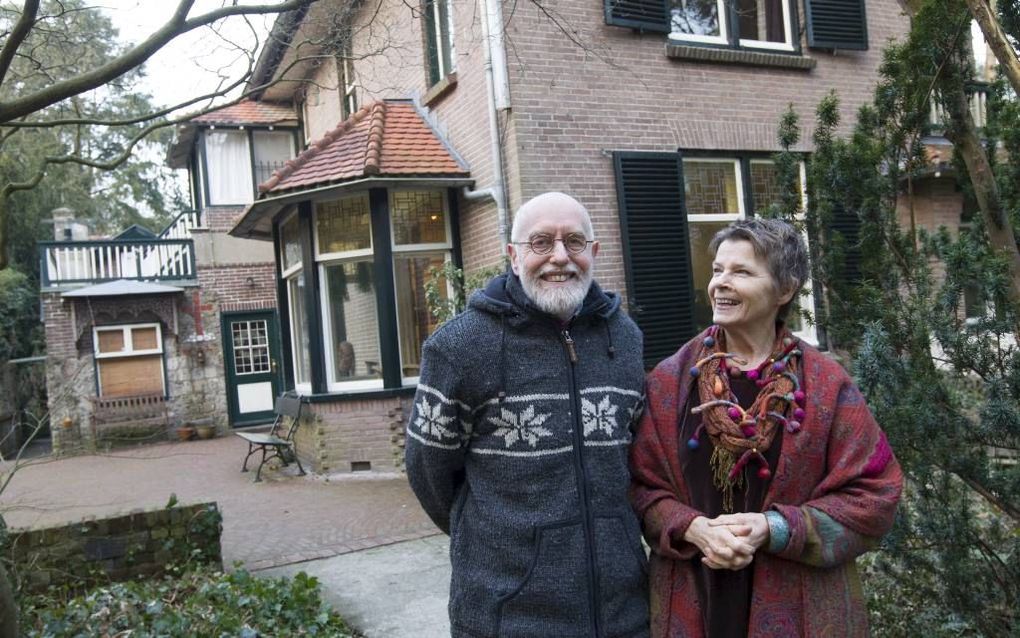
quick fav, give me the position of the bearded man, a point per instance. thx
(517, 443)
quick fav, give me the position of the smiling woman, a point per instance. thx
(782, 464)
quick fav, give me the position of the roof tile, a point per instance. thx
(248, 112)
(385, 138)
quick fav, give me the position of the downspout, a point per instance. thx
(497, 98)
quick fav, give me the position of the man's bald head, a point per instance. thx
(546, 203)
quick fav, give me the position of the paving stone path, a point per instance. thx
(284, 519)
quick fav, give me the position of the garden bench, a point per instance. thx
(287, 406)
(129, 414)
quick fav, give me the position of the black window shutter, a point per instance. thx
(836, 24)
(847, 226)
(656, 249)
(646, 15)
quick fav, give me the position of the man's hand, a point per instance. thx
(755, 525)
(723, 546)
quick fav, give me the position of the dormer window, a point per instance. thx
(238, 160)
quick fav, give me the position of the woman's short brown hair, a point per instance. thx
(780, 244)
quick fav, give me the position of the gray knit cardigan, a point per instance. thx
(520, 454)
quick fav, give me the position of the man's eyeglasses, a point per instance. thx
(543, 244)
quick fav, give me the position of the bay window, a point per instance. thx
(373, 264)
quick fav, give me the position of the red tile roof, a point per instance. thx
(248, 112)
(386, 138)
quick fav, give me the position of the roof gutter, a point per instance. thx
(259, 208)
(497, 97)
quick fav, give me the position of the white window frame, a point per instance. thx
(786, 45)
(302, 388)
(410, 249)
(270, 131)
(438, 35)
(806, 296)
(128, 350)
(345, 254)
(250, 167)
(322, 261)
(294, 268)
(739, 177)
(330, 347)
(348, 88)
(447, 258)
(723, 38)
(404, 248)
(743, 43)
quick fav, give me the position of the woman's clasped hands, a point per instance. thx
(728, 541)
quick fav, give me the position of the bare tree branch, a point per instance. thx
(134, 57)
(17, 36)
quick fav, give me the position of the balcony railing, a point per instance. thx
(937, 116)
(181, 226)
(68, 262)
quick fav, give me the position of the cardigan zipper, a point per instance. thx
(582, 484)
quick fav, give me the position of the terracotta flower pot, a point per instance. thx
(185, 432)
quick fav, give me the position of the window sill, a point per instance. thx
(359, 395)
(439, 90)
(739, 56)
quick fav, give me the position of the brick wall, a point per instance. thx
(138, 544)
(390, 63)
(366, 432)
(572, 109)
(937, 202)
(573, 104)
(221, 218)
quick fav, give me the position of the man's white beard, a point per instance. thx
(561, 300)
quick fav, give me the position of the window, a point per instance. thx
(438, 25)
(761, 24)
(299, 332)
(712, 189)
(237, 161)
(290, 246)
(351, 295)
(272, 149)
(129, 359)
(715, 191)
(345, 73)
(226, 156)
(349, 304)
(421, 241)
(343, 245)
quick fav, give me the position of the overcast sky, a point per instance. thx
(195, 62)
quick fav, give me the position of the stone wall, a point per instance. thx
(138, 544)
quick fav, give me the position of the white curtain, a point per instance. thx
(229, 162)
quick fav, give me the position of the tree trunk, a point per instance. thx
(4, 227)
(963, 134)
(8, 607)
(984, 14)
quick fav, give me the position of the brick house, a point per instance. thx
(427, 125)
(183, 322)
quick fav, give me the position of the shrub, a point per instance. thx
(199, 602)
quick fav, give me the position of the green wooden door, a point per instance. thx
(251, 357)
